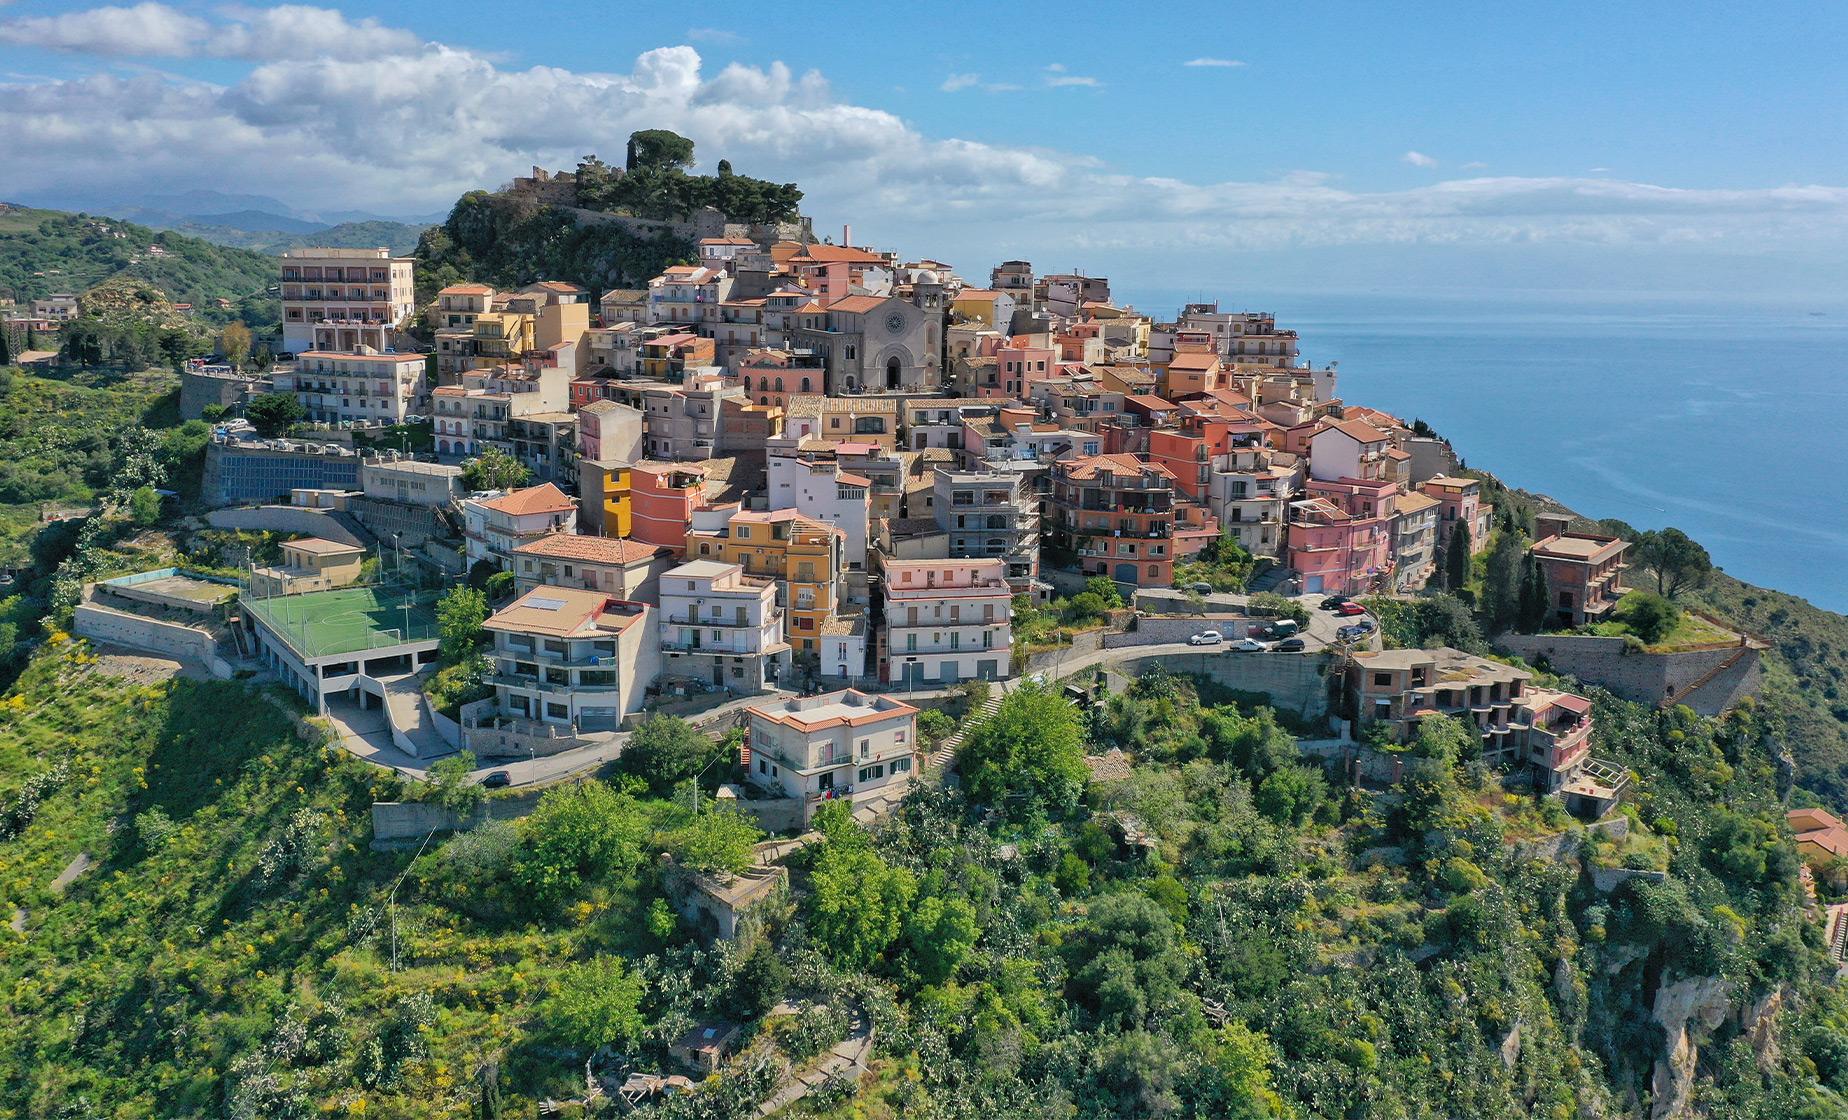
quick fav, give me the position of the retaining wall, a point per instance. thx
(172, 639)
(1293, 681)
(1150, 631)
(1647, 678)
(285, 519)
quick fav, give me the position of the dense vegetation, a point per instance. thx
(654, 184)
(46, 251)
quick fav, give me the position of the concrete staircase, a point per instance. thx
(411, 729)
(1838, 933)
(946, 751)
(1268, 579)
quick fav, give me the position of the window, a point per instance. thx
(872, 773)
(1382, 680)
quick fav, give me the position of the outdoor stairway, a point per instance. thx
(404, 713)
(946, 752)
(1706, 678)
(1268, 579)
(1838, 934)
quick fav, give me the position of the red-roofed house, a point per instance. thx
(496, 524)
(626, 569)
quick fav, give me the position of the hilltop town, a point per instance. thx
(825, 677)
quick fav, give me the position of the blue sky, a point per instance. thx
(1633, 146)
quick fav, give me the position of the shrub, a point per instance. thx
(595, 1003)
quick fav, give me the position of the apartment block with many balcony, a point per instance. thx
(1584, 575)
(842, 745)
(946, 621)
(342, 299)
(1249, 489)
(721, 627)
(989, 515)
(1117, 514)
(804, 555)
(362, 387)
(571, 661)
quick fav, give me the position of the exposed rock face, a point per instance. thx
(1697, 1004)
(1758, 1023)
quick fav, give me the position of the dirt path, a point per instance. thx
(848, 1058)
(74, 868)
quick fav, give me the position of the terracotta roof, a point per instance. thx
(858, 305)
(466, 290)
(566, 612)
(1359, 430)
(1083, 469)
(1188, 360)
(317, 546)
(543, 498)
(1148, 400)
(837, 254)
(594, 550)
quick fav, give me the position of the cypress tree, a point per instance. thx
(1456, 558)
(1532, 614)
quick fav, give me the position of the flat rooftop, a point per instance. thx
(849, 706)
(347, 620)
(179, 586)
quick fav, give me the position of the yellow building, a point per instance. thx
(803, 554)
(610, 515)
(309, 564)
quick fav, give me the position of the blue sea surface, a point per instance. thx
(1726, 420)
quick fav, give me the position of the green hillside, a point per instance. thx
(46, 251)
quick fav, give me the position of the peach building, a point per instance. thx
(1584, 575)
(1118, 514)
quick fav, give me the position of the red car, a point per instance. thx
(1349, 610)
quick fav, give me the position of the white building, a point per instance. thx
(572, 658)
(842, 745)
(365, 386)
(722, 627)
(946, 621)
(343, 299)
(497, 524)
(411, 482)
(1249, 490)
(818, 487)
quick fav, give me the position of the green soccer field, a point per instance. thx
(348, 620)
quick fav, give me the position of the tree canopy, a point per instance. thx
(1030, 752)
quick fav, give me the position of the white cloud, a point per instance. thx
(1224, 63)
(960, 81)
(329, 129)
(1056, 67)
(1060, 81)
(1418, 159)
(1474, 165)
(145, 30)
(152, 30)
(718, 35)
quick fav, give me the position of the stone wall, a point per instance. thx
(197, 390)
(417, 524)
(772, 814)
(1647, 678)
(1293, 681)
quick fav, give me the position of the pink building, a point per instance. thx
(1332, 552)
(1460, 501)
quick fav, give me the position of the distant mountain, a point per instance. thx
(46, 251)
(399, 237)
(254, 221)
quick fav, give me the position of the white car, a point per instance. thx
(1250, 645)
(1206, 638)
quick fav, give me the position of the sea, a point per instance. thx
(1725, 419)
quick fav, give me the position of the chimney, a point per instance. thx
(847, 236)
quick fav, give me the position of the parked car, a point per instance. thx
(499, 779)
(1350, 609)
(1250, 645)
(1289, 645)
(1201, 588)
(1206, 638)
(1349, 633)
(1284, 628)
(1335, 601)
(1365, 625)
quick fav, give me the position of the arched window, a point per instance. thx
(779, 384)
(805, 384)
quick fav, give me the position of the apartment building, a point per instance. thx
(683, 422)
(989, 515)
(342, 299)
(816, 483)
(1117, 514)
(1460, 503)
(722, 627)
(571, 660)
(805, 556)
(1348, 449)
(478, 327)
(662, 498)
(1584, 576)
(625, 569)
(494, 525)
(842, 745)
(364, 387)
(1249, 489)
(1414, 540)
(478, 412)
(1545, 730)
(1242, 337)
(946, 621)
(772, 376)
(1334, 552)
(688, 295)
(59, 307)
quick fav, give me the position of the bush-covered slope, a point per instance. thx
(46, 251)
